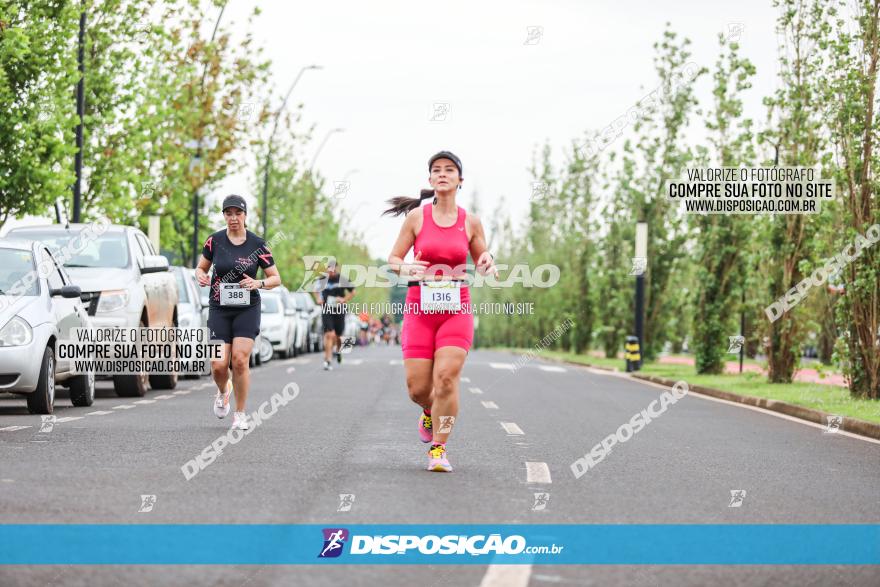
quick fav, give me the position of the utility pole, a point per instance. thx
(80, 112)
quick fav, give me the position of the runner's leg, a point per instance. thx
(448, 361)
(220, 368)
(419, 381)
(241, 353)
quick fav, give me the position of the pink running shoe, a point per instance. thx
(426, 428)
(437, 459)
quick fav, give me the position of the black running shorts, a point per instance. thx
(227, 323)
(335, 322)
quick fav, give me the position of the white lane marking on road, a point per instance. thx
(354, 361)
(182, 391)
(508, 366)
(68, 419)
(595, 371)
(507, 576)
(537, 473)
(164, 397)
(14, 428)
(697, 394)
(490, 405)
(291, 369)
(97, 413)
(466, 379)
(476, 390)
(395, 362)
(301, 361)
(511, 428)
(551, 368)
(146, 401)
(204, 386)
(124, 407)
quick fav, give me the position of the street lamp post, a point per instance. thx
(321, 146)
(265, 207)
(80, 113)
(641, 253)
(195, 203)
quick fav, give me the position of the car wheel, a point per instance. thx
(130, 385)
(42, 399)
(134, 385)
(165, 380)
(266, 351)
(82, 390)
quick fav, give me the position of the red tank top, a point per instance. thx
(443, 245)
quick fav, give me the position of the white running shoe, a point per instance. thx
(327, 366)
(221, 401)
(239, 421)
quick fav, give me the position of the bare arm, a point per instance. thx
(478, 249)
(273, 279)
(403, 244)
(202, 271)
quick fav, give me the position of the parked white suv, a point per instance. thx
(124, 283)
(38, 308)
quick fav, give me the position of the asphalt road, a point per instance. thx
(353, 431)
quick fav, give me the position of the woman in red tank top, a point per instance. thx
(438, 323)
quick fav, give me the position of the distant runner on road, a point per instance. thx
(333, 292)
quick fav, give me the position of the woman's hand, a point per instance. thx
(486, 264)
(202, 277)
(414, 271)
(249, 283)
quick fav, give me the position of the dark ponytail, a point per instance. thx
(402, 204)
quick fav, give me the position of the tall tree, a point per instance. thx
(851, 49)
(38, 73)
(795, 138)
(720, 238)
(663, 155)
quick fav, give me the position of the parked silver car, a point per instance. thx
(310, 313)
(189, 302)
(302, 341)
(124, 282)
(278, 325)
(38, 307)
(189, 299)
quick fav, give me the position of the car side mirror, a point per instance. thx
(154, 264)
(66, 291)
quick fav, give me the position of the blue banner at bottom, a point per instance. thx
(293, 544)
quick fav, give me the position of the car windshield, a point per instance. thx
(269, 304)
(302, 301)
(14, 265)
(182, 292)
(109, 250)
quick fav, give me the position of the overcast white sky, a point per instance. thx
(387, 63)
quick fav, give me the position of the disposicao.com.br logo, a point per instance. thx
(334, 540)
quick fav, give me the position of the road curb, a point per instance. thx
(847, 424)
(852, 425)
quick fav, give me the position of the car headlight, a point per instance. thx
(112, 300)
(17, 332)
